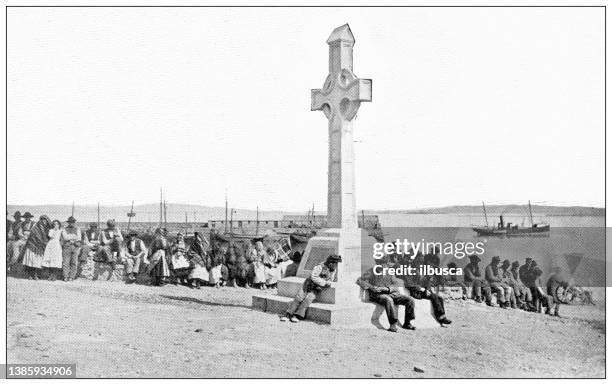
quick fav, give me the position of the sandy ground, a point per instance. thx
(111, 329)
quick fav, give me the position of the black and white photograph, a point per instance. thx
(282, 191)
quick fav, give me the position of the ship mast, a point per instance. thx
(225, 222)
(485, 214)
(257, 222)
(530, 213)
(130, 215)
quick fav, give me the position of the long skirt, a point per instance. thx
(159, 266)
(215, 274)
(199, 272)
(259, 272)
(53, 254)
(32, 259)
(273, 274)
(179, 261)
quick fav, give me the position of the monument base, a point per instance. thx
(343, 303)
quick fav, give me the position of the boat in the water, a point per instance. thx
(300, 235)
(503, 229)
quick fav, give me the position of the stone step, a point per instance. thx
(361, 315)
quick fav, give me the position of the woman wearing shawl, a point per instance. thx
(34, 249)
(53, 251)
(238, 267)
(197, 254)
(158, 265)
(215, 266)
(178, 261)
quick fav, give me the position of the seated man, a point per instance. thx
(473, 279)
(91, 241)
(418, 287)
(110, 249)
(452, 280)
(508, 280)
(555, 281)
(522, 292)
(540, 298)
(493, 277)
(384, 290)
(135, 252)
(322, 276)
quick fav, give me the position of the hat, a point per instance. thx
(110, 223)
(333, 258)
(515, 264)
(71, 219)
(17, 214)
(452, 265)
(506, 262)
(528, 259)
(93, 225)
(132, 234)
(474, 258)
(495, 259)
(28, 215)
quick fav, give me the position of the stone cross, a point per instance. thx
(340, 99)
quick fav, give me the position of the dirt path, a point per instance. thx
(115, 330)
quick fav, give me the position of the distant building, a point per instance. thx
(287, 221)
(371, 221)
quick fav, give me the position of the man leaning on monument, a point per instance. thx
(321, 277)
(384, 290)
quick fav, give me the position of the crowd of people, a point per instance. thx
(50, 249)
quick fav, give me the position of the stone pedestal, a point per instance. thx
(344, 303)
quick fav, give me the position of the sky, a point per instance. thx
(501, 105)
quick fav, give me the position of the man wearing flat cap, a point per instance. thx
(322, 276)
(473, 279)
(508, 280)
(135, 252)
(494, 278)
(71, 247)
(523, 293)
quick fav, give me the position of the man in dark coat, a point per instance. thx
(494, 278)
(419, 288)
(473, 278)
(322, 276)
(384, 289)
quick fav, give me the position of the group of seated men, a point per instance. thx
(514, 286)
